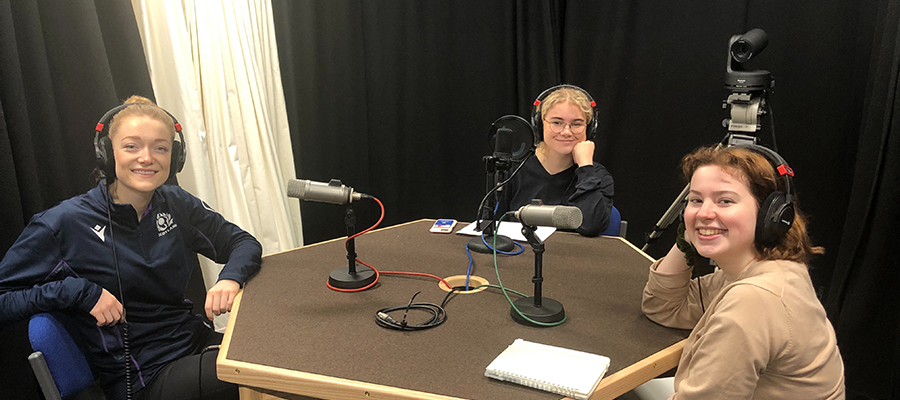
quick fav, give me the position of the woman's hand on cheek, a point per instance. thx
(583, 153)
(220, 297)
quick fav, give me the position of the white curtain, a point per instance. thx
(214, 65)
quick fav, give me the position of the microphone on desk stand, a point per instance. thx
(538, 310)
(511, 140)
(355, 276)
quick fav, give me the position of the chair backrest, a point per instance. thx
(615, 223)
(65, 361)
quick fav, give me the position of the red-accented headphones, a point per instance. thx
(103, 151)
(536, 118)
(776, 213)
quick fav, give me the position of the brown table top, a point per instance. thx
(288, 321)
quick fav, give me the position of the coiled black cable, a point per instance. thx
(112, 239)
(128, 388)
(438, 315)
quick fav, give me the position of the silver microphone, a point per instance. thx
(333, 192)
(560, 217)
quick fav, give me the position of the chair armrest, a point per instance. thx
(42, 372)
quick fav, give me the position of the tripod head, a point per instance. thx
(749, 87)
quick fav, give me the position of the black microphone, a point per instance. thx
(333, 192)
(560, 217)
(503, 143)
(511, 138)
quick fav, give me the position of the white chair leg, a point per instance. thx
(656, 389)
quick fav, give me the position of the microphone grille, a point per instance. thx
(567, 217)
(296, 188)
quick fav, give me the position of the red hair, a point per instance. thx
(759, 175)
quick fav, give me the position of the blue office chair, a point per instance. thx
(58, 363)
(617, 227)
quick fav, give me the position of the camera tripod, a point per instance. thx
(748, 102)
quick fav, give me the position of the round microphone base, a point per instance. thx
(343, 279)
(550, 311)
(504, 243)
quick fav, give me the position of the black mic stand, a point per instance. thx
(536, 308)
(496, 170)
(354, 276)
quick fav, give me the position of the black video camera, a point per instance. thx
(741, 48)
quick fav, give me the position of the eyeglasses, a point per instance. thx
(558, 126)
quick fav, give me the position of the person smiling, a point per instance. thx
(758, 329)
(563, 171)
(114, 264)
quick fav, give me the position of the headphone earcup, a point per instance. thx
(178, 159)
(537, 125)
(105, 158)
(775, 218)
(592, 127)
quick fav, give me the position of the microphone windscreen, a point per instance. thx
(567, 217)
(297, 188)
(562, 217)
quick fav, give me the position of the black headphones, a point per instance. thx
(776, 213)
(537, 119)
(103, 151)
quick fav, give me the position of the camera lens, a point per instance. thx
(741, 51)
(749, 44)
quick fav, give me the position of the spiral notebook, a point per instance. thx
(571, 373)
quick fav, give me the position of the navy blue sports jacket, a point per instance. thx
(65, 257)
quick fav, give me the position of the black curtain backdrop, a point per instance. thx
(62, 65)
(395, 99)
(863, 302)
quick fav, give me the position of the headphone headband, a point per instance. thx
(779, 164)
(108, 116)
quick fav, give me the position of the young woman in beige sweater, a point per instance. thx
(759, 331)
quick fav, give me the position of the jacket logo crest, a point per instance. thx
(165, 223)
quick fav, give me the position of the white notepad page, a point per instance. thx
(554, 369)
(512, 230)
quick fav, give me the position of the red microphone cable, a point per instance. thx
(377, 273)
